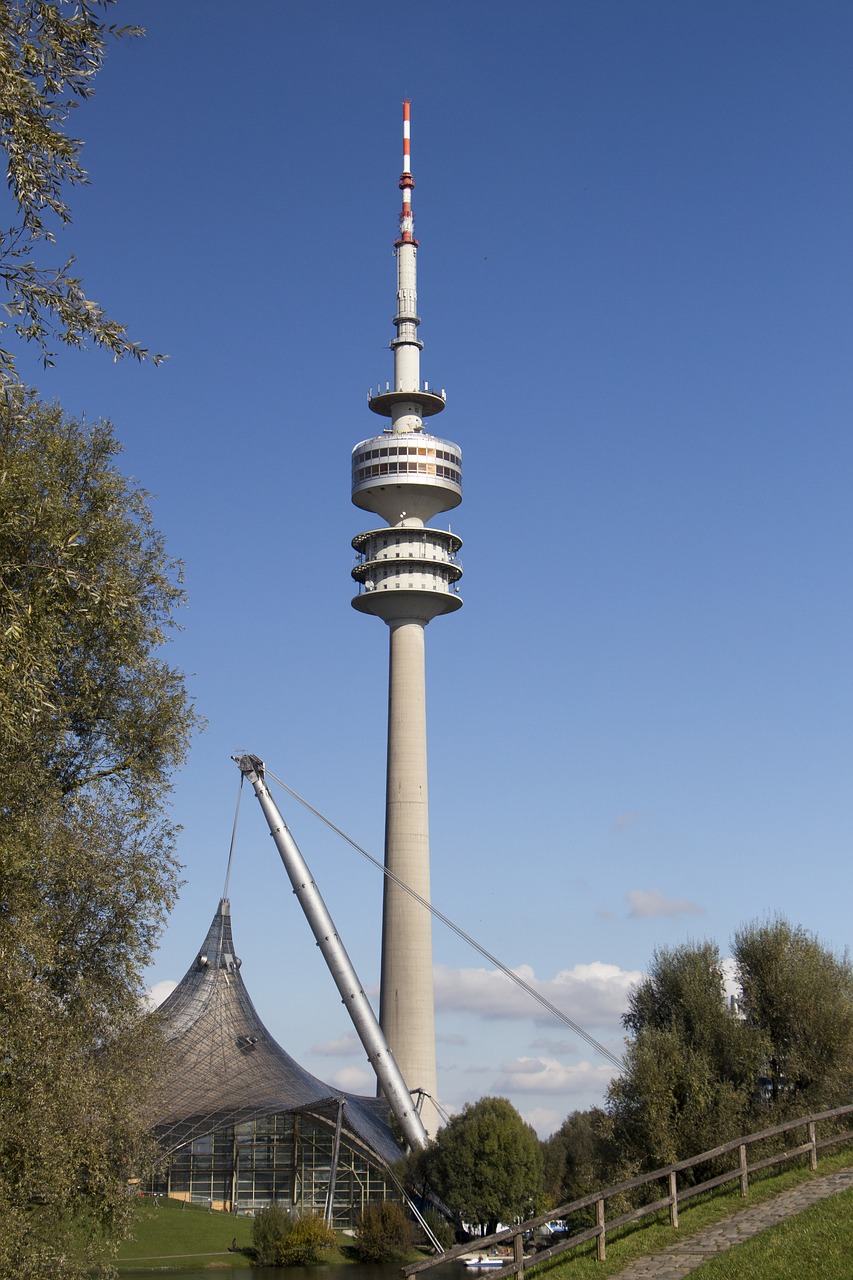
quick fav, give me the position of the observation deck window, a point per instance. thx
(395, 467)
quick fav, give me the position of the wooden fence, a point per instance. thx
(738, 1149)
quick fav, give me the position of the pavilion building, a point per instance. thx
(242, 1124)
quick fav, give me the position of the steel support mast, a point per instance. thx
(334, 953)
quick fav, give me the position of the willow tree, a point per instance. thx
(800, 994)
(92, 722)
(699, 1072)
(691, 1063)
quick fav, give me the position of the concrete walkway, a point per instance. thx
(679, 1259)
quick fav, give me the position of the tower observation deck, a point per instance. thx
(407, 575)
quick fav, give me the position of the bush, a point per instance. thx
(444, 1231)
(383, 1233)
(270, 1230)
(309, 1236)
(282, 1241)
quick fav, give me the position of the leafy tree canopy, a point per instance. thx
(579, 1157)
(692, 1064)
(700, 1073)
(92, 722)
(50, 53)
(87, 596)
(486, 1164)
(684, 994)
(801, 997)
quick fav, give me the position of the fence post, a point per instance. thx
(673, 1200)
(600, 1245)
(813, 1141)
(518, 1253)
(744, 1175)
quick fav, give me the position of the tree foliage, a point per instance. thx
(383, 1233)
(310, 1237)
(87, 596)
(50, 53)
(270, 1229)
(692, 1064)
(486, 1164)
(800, 995)
(443, 1230)
(580, 1157)
(281, 1240)
(700, 1073)
(92, 722)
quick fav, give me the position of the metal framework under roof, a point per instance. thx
(223, 1067)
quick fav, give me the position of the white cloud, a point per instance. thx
(547, 1075)
(593, 995)
(545, 1120)
(353, 1080)
(158, 993)
(342, 1047)
(651, 902)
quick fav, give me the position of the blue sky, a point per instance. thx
(635, 281)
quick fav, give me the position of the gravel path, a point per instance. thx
(680, 1259)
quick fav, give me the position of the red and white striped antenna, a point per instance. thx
(407, 136)
(407, 221)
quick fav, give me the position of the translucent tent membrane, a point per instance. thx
(242, 1123)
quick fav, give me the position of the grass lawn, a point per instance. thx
(637, 1240)
(175, 1236)
(814, 1243)
(184, 1237)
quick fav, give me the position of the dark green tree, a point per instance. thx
(50, 53)
(486, 1164)
(580, 1157)
(92, 723)
(691, 1062)
(800, 996)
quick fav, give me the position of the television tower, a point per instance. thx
(407, 575)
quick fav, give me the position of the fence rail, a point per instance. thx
(672, 1198)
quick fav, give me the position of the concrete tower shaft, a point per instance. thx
(406, 998)
(407, 575)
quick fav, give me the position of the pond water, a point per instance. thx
(349, 1271)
